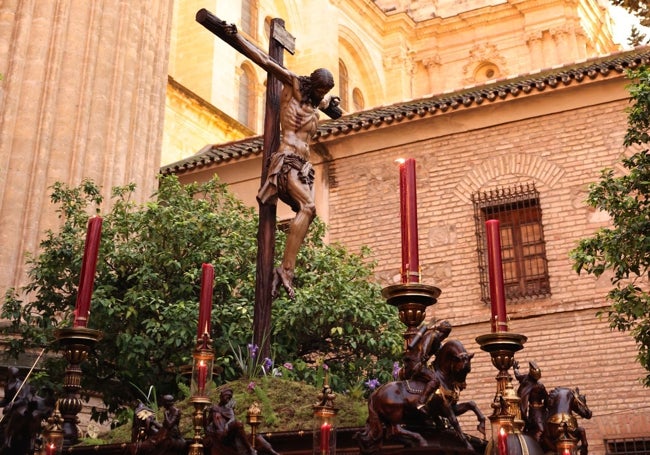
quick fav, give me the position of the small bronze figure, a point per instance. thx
(533, 396)
(225, 435)
(170, 432)
(550, 418)
(144, 425)
(424, 345)
(149, 436)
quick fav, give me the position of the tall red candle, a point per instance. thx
(499, 322)
(409, 222)
(205, 303)
(88, 268)
(201, 376)
(325, 432)
(503, 442)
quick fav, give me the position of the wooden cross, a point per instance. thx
(279, 41)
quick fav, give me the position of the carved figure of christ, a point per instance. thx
(287, 173)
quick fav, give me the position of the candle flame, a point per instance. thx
(400, 160)
(502, 431)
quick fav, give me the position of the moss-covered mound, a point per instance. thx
(286, 406)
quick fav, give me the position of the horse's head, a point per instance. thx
(566, 400)
(579, 404)
(454, 361)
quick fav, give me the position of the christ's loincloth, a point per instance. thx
(276, 186)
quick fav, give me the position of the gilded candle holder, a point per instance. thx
(324, 434)
(201, 379)
(76, 343)
(254, 420)
(412, 301)
(506, 415)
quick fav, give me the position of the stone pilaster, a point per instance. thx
(82, 96)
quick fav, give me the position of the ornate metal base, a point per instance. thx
(76, 342)
(411, 300)
(196, 448)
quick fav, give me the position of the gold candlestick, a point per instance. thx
(76, 343)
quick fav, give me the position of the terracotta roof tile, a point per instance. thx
(551, 78)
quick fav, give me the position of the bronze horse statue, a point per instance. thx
(394, 405)
(560, 420)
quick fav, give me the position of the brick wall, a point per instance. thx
(561, 152)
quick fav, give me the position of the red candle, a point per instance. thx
(503, 442)
(50, 449)
(205, 304)
(409, 222)
(88, 268)
(202, 376)
(499, 321)
(325, 431)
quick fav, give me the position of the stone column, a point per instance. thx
(535, 50)
(82, 96)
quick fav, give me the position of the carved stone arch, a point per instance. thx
(485, 62)
(486, 71)
(363, 73)
(516, 164)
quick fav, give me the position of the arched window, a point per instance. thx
(357, 100)
(246, 107)
(249, 17)
(343, 86)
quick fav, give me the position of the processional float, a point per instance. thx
(427, 418)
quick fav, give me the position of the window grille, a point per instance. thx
(523, 250)
(627, 446)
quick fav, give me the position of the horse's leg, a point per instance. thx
(448, 412)
(581, 434)
(398, 430)
(462, 408)
(371, 438)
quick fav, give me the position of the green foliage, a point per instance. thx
(624, 249)
(341, 318)
(639, 8)
(248, 362)
(145, 299)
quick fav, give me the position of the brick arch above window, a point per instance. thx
(534, 167)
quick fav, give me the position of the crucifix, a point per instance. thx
(291, 119)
